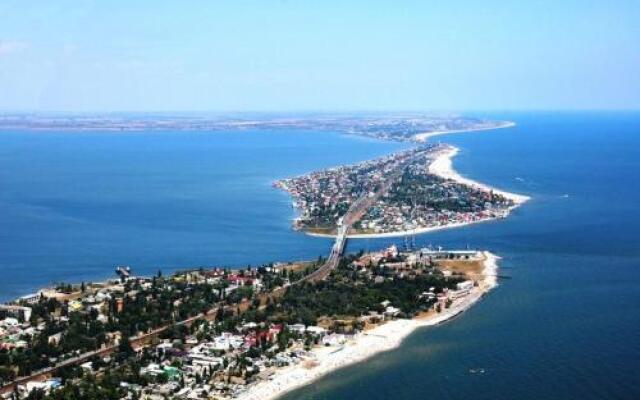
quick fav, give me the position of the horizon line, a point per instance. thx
(317, 111)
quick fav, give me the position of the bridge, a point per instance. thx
(334, 257)
(355, 212)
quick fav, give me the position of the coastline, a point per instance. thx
(416, 231)
(382, 338)
(442, 166)
(423, 137)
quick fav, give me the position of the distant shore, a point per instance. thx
(443, 167)
(366, 344)
(422, 137)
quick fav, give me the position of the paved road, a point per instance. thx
(355, 212)
(334, 257)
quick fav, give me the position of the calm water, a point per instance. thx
(75, 205)
(565, 326)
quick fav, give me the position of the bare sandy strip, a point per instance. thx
(366, 344)
(443, 167)
(422, 137)
(416, 231)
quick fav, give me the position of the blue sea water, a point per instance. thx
(74, 205)
(565, 326)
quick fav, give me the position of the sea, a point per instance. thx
(564, 322)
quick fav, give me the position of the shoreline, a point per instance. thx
(367, 344)
(442, 166)
(423, 137)
(417, 231)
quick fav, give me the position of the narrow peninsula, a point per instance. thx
(409, 192)
(256, 333)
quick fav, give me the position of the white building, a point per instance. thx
(466, 285)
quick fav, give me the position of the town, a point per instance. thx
(323, 197)
(402, 196)
(212, 333)
(421, 200)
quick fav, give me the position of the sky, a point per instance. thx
(318, 55)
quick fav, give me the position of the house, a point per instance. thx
(334, 339)
(391, 311)
(427, 296)
(274, 331)
(45, 386)
(214, 275)
(297, 328)
(100, 297)
(114, 337)
(54, 339)
(466, 285)
(191, 340)
(249, 326)
(316, 331)
(163, 348)
(239, 280)
(152, 369)
(392, 251)
(227, 341)
(75, 305)
(10, 322)
(19, 312)
(372, 317)
(32, 298)
(204, 360)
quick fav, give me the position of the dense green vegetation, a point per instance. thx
(143, 309)
(140, 307)
(347, 294)
(418, 188)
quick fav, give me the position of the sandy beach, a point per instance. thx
(366, 344)
(423, 137)
(416, 231)
(443, 167)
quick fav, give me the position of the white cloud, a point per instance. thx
(11, 46)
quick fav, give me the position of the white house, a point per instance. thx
(316, 331)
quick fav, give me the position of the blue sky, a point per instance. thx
(318, 55)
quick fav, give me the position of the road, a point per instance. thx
(355, 212)
(334, 257)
